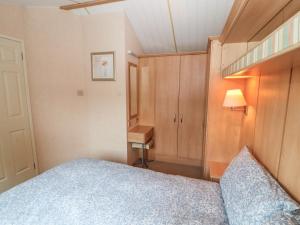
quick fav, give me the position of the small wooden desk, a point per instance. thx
(141, 135)
(216, 170)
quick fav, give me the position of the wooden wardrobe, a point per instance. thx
(172, 99)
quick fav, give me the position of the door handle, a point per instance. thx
(181, 118)
(175, 118)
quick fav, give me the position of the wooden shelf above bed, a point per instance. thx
(280, 49)
(248, 17)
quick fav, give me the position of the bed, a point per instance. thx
(87, 191)
(94, 192)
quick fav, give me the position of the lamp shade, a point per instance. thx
(234, 98)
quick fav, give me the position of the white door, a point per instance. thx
(16, 147)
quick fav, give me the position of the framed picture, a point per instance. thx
(103, 66)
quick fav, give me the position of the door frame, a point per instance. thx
(27, 99)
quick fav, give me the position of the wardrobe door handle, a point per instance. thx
(181, 118)
(175, 118)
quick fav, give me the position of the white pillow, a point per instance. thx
(251, 195)
(281, 219)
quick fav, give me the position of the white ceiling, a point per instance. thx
(193, 20)
(151, 22)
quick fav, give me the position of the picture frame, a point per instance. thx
(103, 66)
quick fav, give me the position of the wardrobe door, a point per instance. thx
(166, 108)
(192, 107)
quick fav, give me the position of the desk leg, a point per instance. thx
(143, 160)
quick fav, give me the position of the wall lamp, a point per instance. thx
(234, 99)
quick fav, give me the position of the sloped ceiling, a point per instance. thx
(162, 25)
(151, 22)
(195, 20)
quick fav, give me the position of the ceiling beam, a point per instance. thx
(87, 4)
(172, 25)
(172, 54)
(236, 11)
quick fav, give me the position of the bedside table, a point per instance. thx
(216, 170)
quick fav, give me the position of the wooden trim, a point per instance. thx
(87, 4)
(204, 153)
(236, 11)
(210, 39)
(213, 38)
(36, 164)
(172, 54)
(176, 160)
(285, 121)
(172, 25)
(129, 93)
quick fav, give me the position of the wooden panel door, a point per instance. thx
(166, 108)
(16, 148)
(270, 117)
(192, 106)
(289, 165)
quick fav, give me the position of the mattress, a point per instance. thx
(93, 192)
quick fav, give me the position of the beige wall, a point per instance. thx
(58, 46)
(11, 21)
(55, 70)
(106, 99)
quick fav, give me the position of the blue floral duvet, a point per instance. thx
(93, 192)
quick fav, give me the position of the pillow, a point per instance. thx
(296, 215)
(250, 194)
(281, 219)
